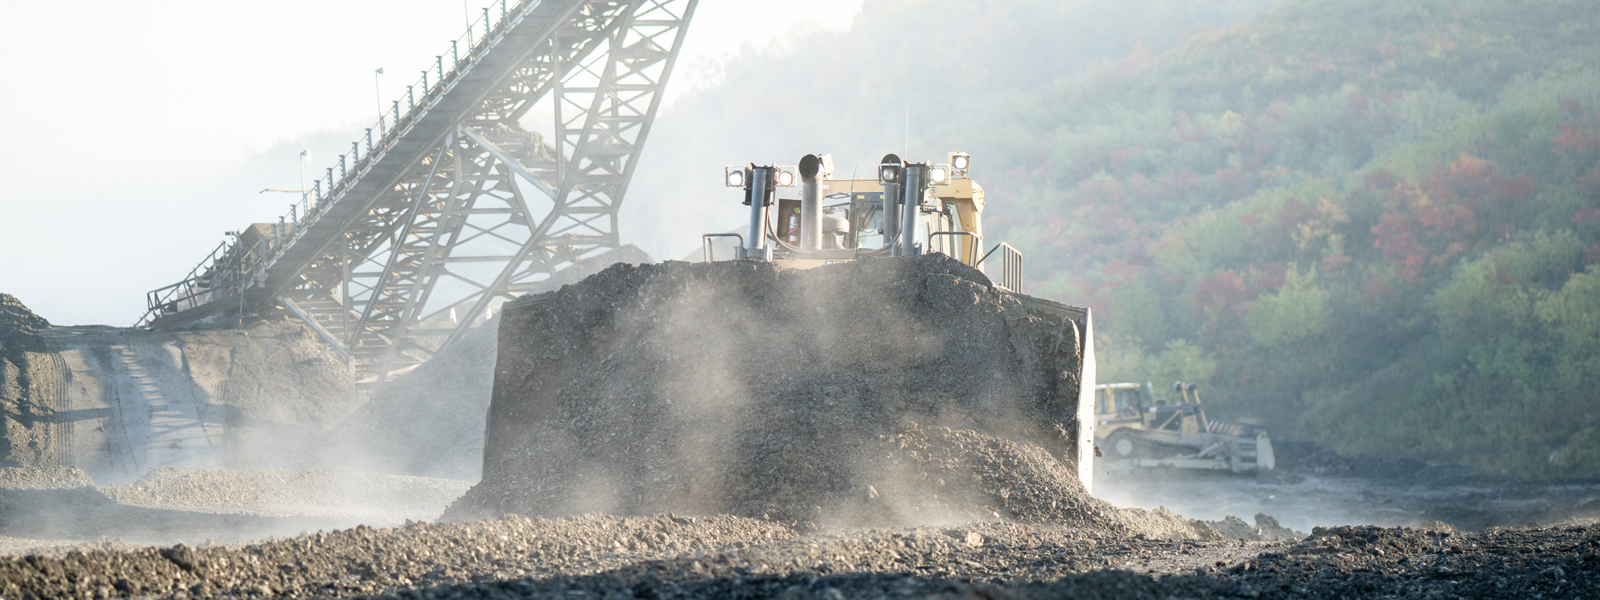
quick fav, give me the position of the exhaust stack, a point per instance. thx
(813, 168)
(914, 185)
(758, 191)
(890, 172)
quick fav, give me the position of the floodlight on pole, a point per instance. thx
(305, 155)
(377, 89)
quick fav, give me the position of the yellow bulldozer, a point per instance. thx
(1134, 428)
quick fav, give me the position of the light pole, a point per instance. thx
(377, 89)
(305, 155)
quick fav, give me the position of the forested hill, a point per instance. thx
(1371, 223)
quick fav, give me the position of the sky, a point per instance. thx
(137, 133)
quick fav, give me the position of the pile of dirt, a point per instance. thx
(953, 475)
(286, 492)
(248, 397)
(429, 422)
(742, 388)
(19, 328)
(268, 374)
(1266, 529)
(30, 389)
(43, 478)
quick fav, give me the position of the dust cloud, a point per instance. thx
(739, 388)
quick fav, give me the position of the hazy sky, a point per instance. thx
(137, 132)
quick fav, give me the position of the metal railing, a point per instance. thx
(1010, 266)
(250, 264)
(706, 246)
(974, 243)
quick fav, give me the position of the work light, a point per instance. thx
(888, 173)
(960, 161)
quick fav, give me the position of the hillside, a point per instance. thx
(1369, 224)
(1372, 224)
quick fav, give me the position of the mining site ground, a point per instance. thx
(723, 556)
(188, 533)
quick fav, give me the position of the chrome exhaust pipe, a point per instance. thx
(914, 184)
(890, 171)
(812, 169)
(758, 191)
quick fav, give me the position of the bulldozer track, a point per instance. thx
(61, 427)
(1147, 448)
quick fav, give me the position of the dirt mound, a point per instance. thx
(429, 422)
(1266, 529)
(19, 328)
(43, 478)
(271, 373)
(744, 389)
(955, 475)
(30, 389)
(283, 492)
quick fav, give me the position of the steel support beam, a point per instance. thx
(509, 165)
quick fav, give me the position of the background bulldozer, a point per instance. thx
(1135, 428)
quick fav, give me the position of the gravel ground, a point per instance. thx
(52, 509)
(330, 492)
(43, 478)
(667, 556)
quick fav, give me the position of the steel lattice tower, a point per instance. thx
(504, 164)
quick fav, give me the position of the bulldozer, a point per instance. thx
(1134, 428)
(910, 208)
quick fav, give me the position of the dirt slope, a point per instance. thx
(30, 390)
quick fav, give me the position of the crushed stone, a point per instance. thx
(287, 492)
(43, 478)
(698, 557)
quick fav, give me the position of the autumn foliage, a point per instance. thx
(1367, 223)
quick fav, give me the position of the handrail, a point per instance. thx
(1010, 266)
(391, 126)
(705, 245)
(971, 259)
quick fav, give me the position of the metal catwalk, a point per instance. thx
(505, 162)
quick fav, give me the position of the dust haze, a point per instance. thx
(1367, 226)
